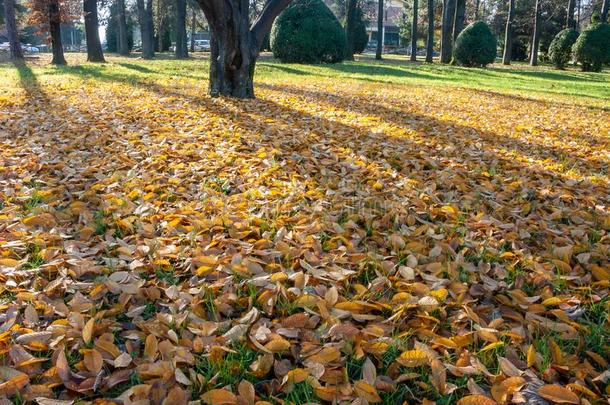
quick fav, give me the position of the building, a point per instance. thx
(393, 10)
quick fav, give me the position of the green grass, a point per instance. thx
(542, 82)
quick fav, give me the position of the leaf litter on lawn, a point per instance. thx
(327, 242)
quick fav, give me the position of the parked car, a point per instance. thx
(202, 45)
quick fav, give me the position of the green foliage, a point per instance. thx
(112, 30)
(475, 46)
(519, 51)
(592, 48)
(560, 50)
(308, 32)
(361, 38)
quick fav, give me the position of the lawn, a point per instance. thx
(389, 231)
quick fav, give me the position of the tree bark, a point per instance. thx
(94, 46)
(570, 21)
(430, 39)
(458, 19)
(604, 14)
(181, 50)
(536, 36)
(380, 13)
(447, 31)
(508, 35)
(123, 44)
(414, 32)
(15, 50)
(146, 28)
(349, 27)
(193, 30)
(55, 31)
(476, 9)
(235, 45)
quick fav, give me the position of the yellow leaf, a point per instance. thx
(366, 391)
(219, 397)
(558, 394)
(88, 330)
(476, 400)
(412, 358)
(531, 356)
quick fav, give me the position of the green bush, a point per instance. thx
(592, 48)
(519, 52)
(560, 51)
(475, 46)
(361, 38)
(308, 32)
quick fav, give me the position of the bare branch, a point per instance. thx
(263, 23)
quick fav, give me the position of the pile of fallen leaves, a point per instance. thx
(328, 242)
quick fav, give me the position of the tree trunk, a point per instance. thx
(458, 19)
(123, 44)
(380, 13)
(476, 9)
(11, 27)
(508, 35)
(55, 31)
(447, 30)
(604, 14)
(570, 21)
(349, 27)
(414, 32)
(181, 48)
(146, 28)
(430, 39)
(193, 30)
(235, 45)
(94, 46)
(536, 36)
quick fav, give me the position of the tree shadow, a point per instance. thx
(587, 165)
(133, 66)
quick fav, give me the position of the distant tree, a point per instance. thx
(308, 32)
(570, 21)
(11, 29)
(361, 37)
(535, 36)
(475, 46)
(113, 30)
(459, 17)
(49, 14)
(123, 34)
(592, 48)
(510, 32)
(350, 28)
(447, 30)
(380, 12)
(414, 32)
(145, 17)
(603, 17)
(94, 46)
(430, 36)
(181, 50)
(560, 51)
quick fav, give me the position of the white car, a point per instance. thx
(202, 45)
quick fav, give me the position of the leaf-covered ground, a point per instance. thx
(339, 239)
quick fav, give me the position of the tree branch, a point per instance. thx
(263, 23)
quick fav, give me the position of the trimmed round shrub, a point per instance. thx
(475, 46)
(361, 38)
(560, 51)
(520, 48)
(308, 32)
(592, 48)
